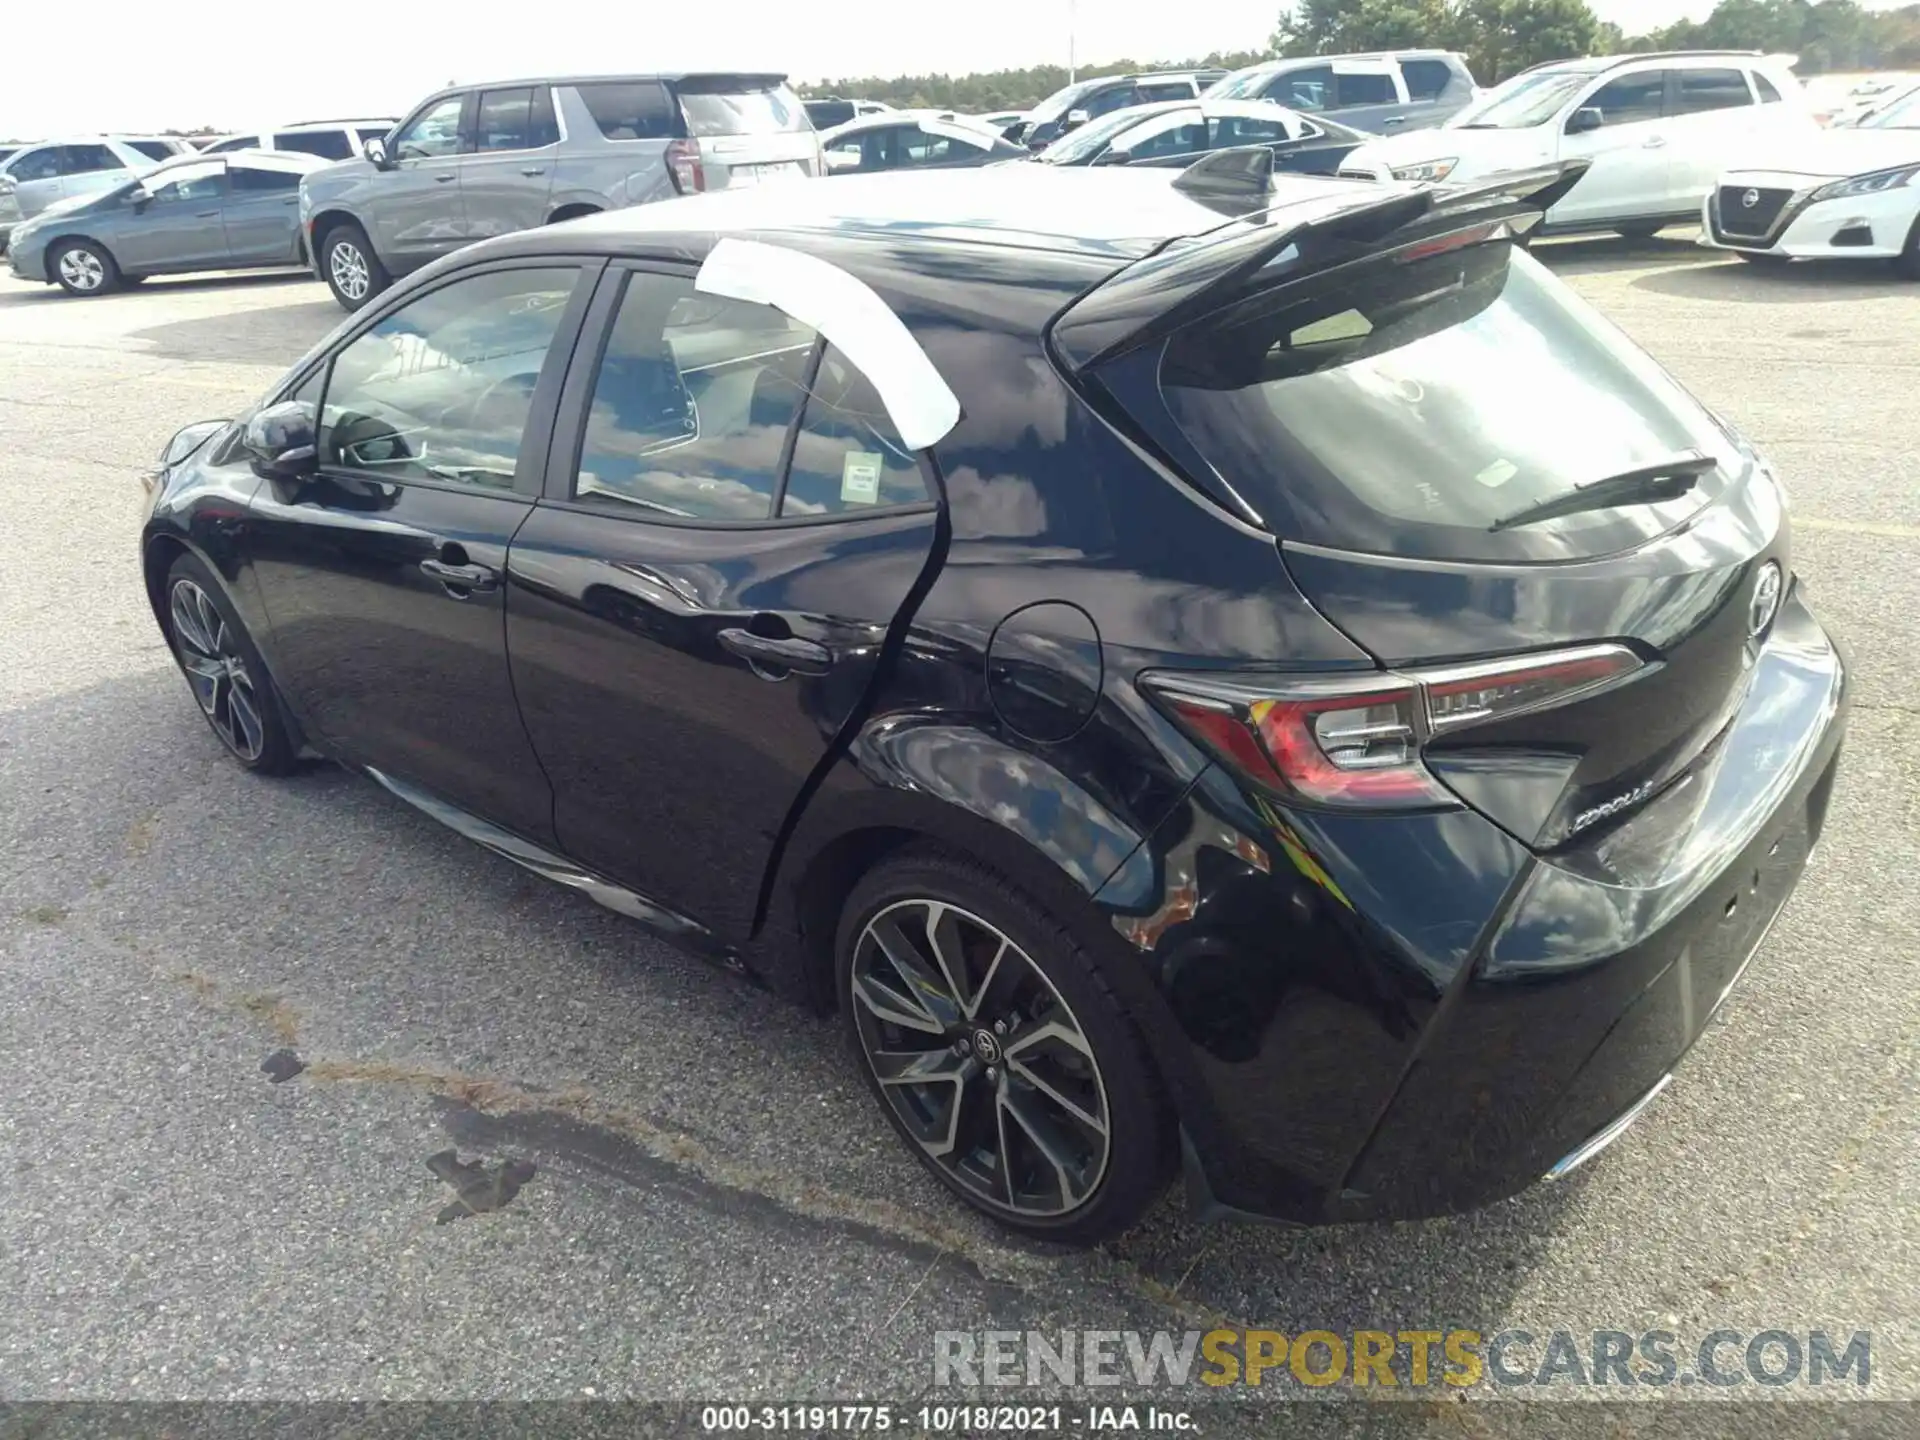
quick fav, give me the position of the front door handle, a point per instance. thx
(461, 581)
(533, 169)
(1654, 144)
(443, 179)
(773, 659)
(206, 214)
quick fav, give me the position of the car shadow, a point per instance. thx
(1802, 282)
(267, 335)
(160, 285)
(1609, 254)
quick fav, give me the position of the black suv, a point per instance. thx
(1072, 107)
(1202, 669)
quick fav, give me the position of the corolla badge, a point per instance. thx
(1765, 603)
(1750, 199)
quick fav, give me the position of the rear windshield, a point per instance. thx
(1404, 408)
(719, 107)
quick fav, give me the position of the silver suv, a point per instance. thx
(36, 176)
(1384, 93)
(484, 160)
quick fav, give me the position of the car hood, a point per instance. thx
(1834, 153)
(69, 204)
(1478, 151)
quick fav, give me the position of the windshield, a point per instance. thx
(741, 109)
(1527, 100)
(1058, 103)
(1242, 85)
(1079, 146)
(1902, 114)
(1405, 408)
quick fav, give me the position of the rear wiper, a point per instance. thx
(1667, 479)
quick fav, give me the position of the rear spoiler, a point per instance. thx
(1188, 278)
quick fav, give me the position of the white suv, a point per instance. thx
(1656, 129)
(329, 139)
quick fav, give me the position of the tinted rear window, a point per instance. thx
(327, 144)
(1405, 408)
(1426, 78)
(154, 149)
(630, 109)
(717, 107)
(826, 114)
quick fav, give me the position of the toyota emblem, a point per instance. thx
(1750, 199)
(1766, 599)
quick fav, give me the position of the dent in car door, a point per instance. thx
(415, 210)
(1631, 153)
(383, 575)
(686, 640)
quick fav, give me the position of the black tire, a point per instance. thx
(571, 212)
(352, 271)
(224, 671)
(83, 268)
(1645, 230)
(1908, 265)
(1052, 987)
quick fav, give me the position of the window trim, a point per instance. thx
(537, 440)
(568, 435)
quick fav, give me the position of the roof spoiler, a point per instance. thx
(1189, 278)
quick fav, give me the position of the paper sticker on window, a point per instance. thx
(1497, 474)
(860, 478)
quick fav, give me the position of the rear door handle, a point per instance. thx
(205, 214)
(533, 169)
(1654, 144)
(766, 654)
(462, 580)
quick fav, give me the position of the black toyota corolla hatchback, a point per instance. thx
(1227, 673)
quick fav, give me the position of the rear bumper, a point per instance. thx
(1473, 1018)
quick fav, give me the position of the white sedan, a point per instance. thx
(1847, 193)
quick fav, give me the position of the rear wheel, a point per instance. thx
(997, 1051)
(353, 272)
(83, 267)
(228, 679)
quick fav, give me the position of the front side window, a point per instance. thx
(154, 149)
(442, 388)
(1701, 90)
(847, 457)
(41, 164)
(196, 186)
(434, 132)
(692, 403)
(1630, 99)
(1182, 133)
(1307, 89)
(327, 144)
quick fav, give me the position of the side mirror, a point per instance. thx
(375, 149)
(1077, 117)
(1584, 119)
(140, 198)
(280, 440)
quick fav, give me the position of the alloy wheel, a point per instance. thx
(216, 670)
(348, 267)
(980, 1058)
(82, 270)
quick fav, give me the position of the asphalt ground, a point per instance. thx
(717, 1212)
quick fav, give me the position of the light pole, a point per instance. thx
(1072, 69)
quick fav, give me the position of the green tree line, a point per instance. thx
(1499, 38)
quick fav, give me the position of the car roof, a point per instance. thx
(1288, 62)
(880, 120)
(1119, 214)
(771, 77)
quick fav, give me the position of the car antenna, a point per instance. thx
(1229, 177)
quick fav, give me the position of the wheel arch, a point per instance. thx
(574, 210)
(328, 219)
(52, 250)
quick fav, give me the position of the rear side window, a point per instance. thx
(1699, 90)
(692, 404)
(630, 109)
(87, 159)
(1631, 98)
(1768, 95)
(1351, 90)
(1167, 90)
(718, 106)
(1105, 102)
(327, 144)
(251, 180)
(1405, 409)
(231, 143)
(847, 456)
(1426, 79)
(154, 149)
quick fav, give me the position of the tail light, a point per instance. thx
(683, 163)
(1354, 741)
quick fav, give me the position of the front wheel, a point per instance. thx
(995, 1047)
(1645, 230)
(83, 267)
(353, 272)
(225, 672)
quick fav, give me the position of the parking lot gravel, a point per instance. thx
(715, 1209)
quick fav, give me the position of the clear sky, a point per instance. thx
(246, 64)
